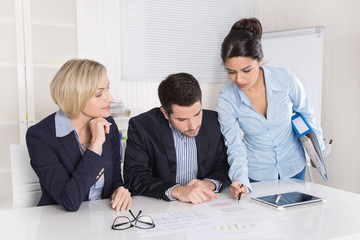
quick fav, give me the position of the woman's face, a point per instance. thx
(243, 71)
(99, 104)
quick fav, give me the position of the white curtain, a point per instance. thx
(167, 36)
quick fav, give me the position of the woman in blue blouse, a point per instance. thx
(255, 111)
(75, 152)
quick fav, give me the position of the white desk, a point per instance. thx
(339, 218)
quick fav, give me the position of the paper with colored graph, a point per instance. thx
(261, 230)
(218, 217)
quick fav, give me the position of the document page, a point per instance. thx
(245, 220)
(185, 220)
(217, 217)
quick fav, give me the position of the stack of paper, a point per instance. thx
(309, 140)
(314, 156)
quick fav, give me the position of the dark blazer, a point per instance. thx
(65, 175)
(150, 157)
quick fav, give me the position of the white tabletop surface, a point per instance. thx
(338, 218)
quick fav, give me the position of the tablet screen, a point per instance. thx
(283, 200)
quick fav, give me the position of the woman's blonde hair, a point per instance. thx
(74, 84)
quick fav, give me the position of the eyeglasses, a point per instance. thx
(123, 222)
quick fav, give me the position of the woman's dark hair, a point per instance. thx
(243, 40)
(181, 89)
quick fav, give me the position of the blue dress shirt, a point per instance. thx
(63, 127)
(265, 148)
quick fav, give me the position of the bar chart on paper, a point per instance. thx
(222, 219)
(234, 227)
(234, 221)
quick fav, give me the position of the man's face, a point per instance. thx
(187, 120)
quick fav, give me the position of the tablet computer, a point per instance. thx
(289, 199)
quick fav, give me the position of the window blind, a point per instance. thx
(162, 37)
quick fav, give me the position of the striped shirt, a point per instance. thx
(186, 160)
(186, 157)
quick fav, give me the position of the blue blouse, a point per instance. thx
(265, 148)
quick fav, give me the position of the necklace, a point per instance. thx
(84, 137)
(85, 145)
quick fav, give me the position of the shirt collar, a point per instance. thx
(63, 125)
(269, 85)
(177, 132)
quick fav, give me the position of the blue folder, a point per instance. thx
(310, 143)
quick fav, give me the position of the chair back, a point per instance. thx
(25, 183)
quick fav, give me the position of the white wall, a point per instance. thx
(341, 76)
(341, 73)
(98, 24)
(32, 49)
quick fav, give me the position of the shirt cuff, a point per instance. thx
(217, 183)
(167, 193)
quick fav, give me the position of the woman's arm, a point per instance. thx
(236, 149)
(65, 176)
(120, 196)
(301, 104)
(114, 139)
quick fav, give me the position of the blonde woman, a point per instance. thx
(75, 152)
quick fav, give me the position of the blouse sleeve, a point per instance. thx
(233, 135)
(116, 158)
(302, 105)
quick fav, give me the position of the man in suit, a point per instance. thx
(176, 152)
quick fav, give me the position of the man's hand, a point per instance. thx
(196, 191)
(205, 183)
(121, 199)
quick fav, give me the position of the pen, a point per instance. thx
(239, 197)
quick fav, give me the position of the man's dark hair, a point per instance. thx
(181, 89)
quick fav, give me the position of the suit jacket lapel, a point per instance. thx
(71, 147)
(106, 156)
(202, 149)
(168, 144)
